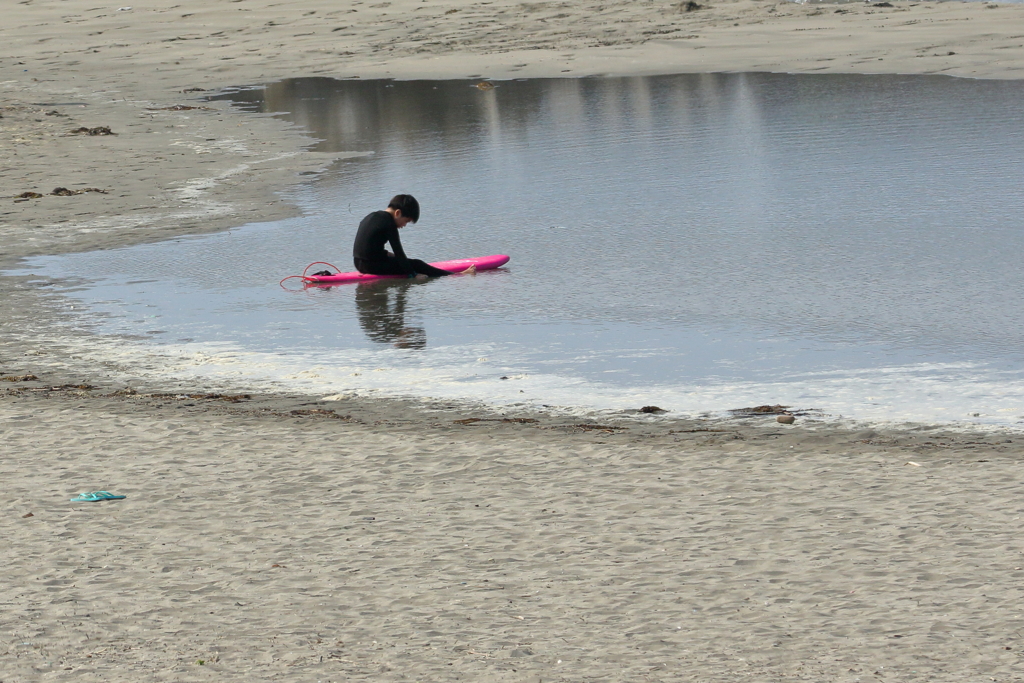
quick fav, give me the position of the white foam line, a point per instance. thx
(956, 394)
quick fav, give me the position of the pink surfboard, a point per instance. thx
(481, 263)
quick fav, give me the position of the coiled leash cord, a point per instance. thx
(305, 278)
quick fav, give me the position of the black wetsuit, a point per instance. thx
(369, 255)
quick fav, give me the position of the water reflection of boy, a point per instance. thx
(383, 318)
(380, 228)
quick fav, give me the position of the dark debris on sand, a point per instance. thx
(65, 192)
(230, 398)
(58, 192)
(768, 410)
(514, 420)
(761, 410)
(178, 107)
(98, 130)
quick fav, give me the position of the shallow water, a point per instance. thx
(703, 242)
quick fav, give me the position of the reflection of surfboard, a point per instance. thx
(481, 263)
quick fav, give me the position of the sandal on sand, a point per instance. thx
(94, 496)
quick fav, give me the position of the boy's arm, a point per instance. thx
(396, 243)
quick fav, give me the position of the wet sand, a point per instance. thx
(388, 540)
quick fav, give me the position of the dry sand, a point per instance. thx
(386, 540)
(259, 544)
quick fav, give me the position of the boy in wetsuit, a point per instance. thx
(380, 228)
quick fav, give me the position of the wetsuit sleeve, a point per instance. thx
(396, 245)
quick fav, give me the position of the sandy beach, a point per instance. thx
(284, 537)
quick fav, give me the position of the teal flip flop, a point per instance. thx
(95, 496)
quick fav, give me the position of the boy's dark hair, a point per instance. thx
(407, 204)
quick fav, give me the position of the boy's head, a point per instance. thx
(407, 204)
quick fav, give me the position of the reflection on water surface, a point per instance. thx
(847, 242)
(380, 307)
